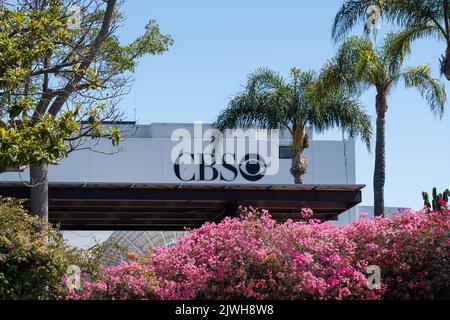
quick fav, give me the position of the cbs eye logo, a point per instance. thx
(253, 167)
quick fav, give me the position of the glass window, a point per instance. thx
(285, 152)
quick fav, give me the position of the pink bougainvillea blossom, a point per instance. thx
(253, 257)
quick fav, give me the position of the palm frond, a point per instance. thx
(247, 111)
(414, 12)
(339, 109)
(404, 13)
(355, 66)
(264, 80)
(432, 90)
(269, 102)
(368, 67)
(397, 46)
(350, 14)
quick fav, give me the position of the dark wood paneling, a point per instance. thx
(175, 207)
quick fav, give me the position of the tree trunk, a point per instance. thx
(299, 167)
(380, 155)
(299, 161)
(39, 191)
(445, 64)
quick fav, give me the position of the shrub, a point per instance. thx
(33, 255)
(253, 257)
(127, 281)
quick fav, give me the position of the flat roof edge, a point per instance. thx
(122, 185)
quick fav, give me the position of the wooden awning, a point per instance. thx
(173, 207)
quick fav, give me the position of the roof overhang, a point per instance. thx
(173, 207)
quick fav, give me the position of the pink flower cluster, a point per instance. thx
(253, 257)
(127, 281)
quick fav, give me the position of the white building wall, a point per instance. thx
(146, 158)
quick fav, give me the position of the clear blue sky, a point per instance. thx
(217, 43)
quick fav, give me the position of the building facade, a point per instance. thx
(146, 155)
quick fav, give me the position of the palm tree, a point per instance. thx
(359, 66)
(418, 18)
(270, 102)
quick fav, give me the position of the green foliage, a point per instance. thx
(123, 58)
(295, 105)
(47, 66)
(436, 203)
(269, 101)
(359, 65)
(25, 142)
(41, 143)
(418, 19)
(33, 255)
(406, 13)
(25, 37)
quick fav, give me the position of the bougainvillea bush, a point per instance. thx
(253, 257)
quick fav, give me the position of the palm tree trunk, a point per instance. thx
(39, 191)
(299, 166)
(445, 63)
(299, 161)
(380, 155)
